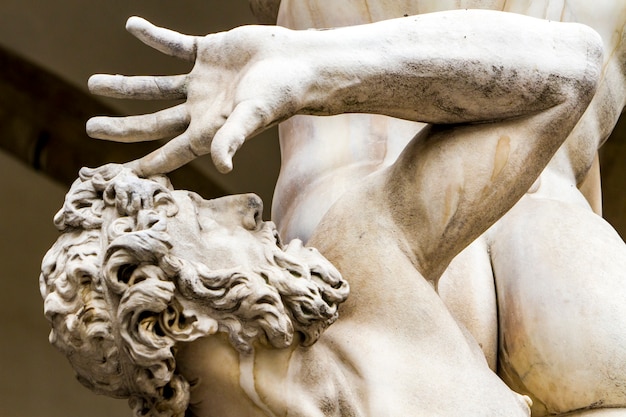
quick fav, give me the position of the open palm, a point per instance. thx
(232, 93)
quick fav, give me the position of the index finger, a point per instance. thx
(167, 41)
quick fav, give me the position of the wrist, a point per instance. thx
(334, 71)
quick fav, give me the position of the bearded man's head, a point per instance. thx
(140, 267)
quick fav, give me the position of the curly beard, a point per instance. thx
(295, 290)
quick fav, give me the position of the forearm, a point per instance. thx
(449, 67)
(460, 66)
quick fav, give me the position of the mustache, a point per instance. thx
(268, 234)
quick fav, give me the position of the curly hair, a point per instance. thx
(119, 301)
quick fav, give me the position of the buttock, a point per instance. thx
(559, 273)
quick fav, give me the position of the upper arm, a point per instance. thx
(453, 182)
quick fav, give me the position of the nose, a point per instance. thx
(251, 209)
(243, 209)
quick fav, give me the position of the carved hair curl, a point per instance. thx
(119, 301)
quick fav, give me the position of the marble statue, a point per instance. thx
(135, 286)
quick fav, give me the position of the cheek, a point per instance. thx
(229, 251)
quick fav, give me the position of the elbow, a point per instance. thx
(587, 55)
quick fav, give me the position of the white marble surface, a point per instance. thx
(528, 98)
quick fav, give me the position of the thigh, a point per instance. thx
(559, 273)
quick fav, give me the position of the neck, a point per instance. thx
(266, 382)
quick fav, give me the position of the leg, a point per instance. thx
(560, 275)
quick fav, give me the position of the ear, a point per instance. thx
(193, 324)
(203, 326)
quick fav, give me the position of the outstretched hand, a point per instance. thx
(232, 93)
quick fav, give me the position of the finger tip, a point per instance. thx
(133, 21)
(94, 128)
(95, 82)
(90, 126)
(224, 167)
(222, 164)
(136, 24)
